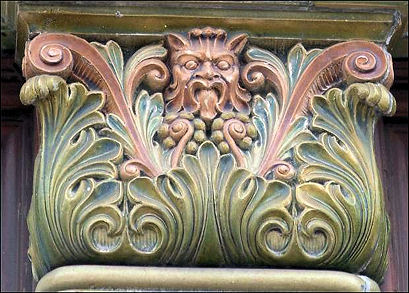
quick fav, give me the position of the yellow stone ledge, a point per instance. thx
(88, 278)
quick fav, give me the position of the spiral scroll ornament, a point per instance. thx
(258, 75)
(315, 234)
(52, 54)
(176, 133)
(282, 170)
(234, 130)
(148, 230)
(274, 236)
(368, 65)
(178, 129)
(130, 169)
(257, 159)
(153, 72)
(252, 76)
(50, 58)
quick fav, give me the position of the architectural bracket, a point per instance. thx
(204, 149)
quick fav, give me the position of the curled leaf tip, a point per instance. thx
(40, 87)
(375, 95)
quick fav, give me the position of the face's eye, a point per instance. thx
(223, 65)
(191, 65)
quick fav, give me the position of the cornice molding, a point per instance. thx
(279, 24)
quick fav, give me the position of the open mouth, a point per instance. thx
(207, 95)
(203, 92)
(207, 99)
(202, 87)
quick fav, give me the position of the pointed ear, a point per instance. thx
(177, 42)
(237, 43)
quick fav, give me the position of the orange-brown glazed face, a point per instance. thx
(205, 70)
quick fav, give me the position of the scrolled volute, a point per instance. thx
(263, 162)
(45, 55)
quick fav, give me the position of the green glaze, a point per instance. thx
(74, 184)
(325, 212)
(279, 24)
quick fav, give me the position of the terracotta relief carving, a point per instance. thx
(205, 69)
(206, 150)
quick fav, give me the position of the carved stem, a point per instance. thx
(43, 57)
(317, 78)
(235, 129)
(283, 170)
(153, 71)
(181, 129)
(255, 74)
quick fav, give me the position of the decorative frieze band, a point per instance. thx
(206, 143)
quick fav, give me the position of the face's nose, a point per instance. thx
(206, 71)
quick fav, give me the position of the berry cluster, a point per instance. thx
(244, 138)
(175, 126)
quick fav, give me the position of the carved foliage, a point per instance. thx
(261, 163)
(74, 208)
